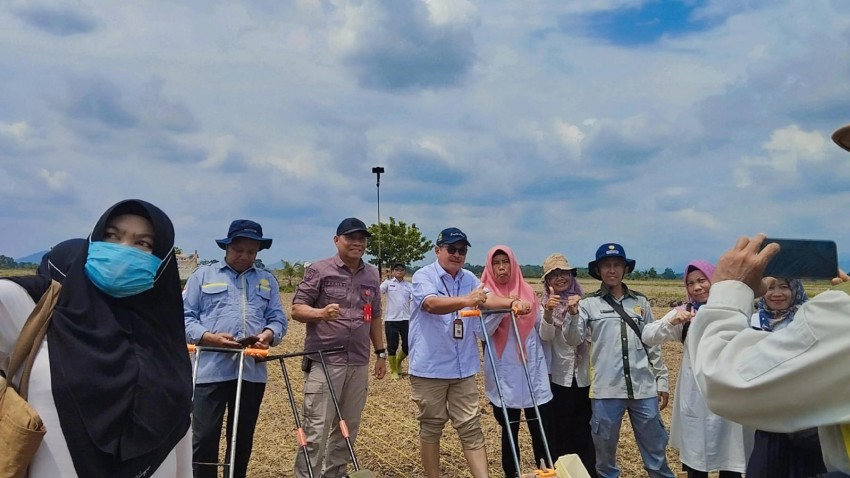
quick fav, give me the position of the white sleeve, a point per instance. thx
(15, 307)
(660, 331)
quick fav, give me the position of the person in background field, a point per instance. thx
(112, 380)
(569, 366)
(223, 303)
(399, 294)
(444, 352)
(783, 455)
(340, 301)
(503, 277)
(627, 374)
(706, 442)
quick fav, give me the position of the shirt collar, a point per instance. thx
(338, 262)
(626, 291)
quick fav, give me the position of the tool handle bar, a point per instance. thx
(331, 350)
(251, 352)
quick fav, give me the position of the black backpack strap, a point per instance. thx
(626, 318)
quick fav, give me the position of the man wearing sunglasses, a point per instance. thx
(444, 352)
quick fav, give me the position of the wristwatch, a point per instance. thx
(381, 353)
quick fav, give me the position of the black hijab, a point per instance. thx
(120, 371)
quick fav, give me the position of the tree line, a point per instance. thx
(7, 262)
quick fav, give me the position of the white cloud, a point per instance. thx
(492, 116)
(790, 146)
(17, 131)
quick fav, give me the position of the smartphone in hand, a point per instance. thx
(803, 259)
(248, 341)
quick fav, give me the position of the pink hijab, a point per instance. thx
(706, 268)
(515, 287)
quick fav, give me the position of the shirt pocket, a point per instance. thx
(214, 297)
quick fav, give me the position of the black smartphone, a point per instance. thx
(803, 259)
(248, 341)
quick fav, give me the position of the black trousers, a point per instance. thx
(569, 415)
(209, 404)
(508, 465)
(396, 329)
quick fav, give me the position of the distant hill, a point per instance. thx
(33, 258)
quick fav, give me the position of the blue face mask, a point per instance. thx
(119, 270)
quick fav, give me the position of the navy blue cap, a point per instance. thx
(351, 225)
(245, 228)
(609, 250)
(451, 235)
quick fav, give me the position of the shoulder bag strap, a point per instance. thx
(626, 318)
(31, 336)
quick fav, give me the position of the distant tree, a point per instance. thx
(398, 242)
(178, 250)
(292, 270)
(668, 274)
(651, 273)
(7, 262)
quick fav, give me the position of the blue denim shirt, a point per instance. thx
(217, 299)
(434, 352)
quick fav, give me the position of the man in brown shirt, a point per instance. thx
(340, 301)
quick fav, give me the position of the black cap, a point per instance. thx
(451, 235)
(351, 225)
(245, 228)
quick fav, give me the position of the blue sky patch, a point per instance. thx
(647, 23)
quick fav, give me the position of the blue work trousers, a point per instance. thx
(649, 432)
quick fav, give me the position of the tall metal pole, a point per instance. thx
(378, 170)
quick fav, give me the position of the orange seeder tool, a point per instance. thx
(470, 313)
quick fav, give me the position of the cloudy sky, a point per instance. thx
(669, 126)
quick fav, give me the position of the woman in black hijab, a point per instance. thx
(119, 370)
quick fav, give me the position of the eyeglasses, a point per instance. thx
(456, 250)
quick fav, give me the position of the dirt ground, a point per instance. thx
(388, 441)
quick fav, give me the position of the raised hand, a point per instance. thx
(572, 304)
(477, 297)
(554, 299)
(745, 262)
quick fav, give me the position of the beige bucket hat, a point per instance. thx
(556, 261)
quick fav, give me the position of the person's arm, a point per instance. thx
(192, 309)
(376, 335)
(438, 305)
(663, 330)
(779, 381)
(656, 362)
(575, 327)
(306, 295)
(276, 323)
(546, 328)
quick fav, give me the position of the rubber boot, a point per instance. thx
(393, 367)
(401, 356)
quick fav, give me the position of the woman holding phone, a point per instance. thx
(706, 441)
